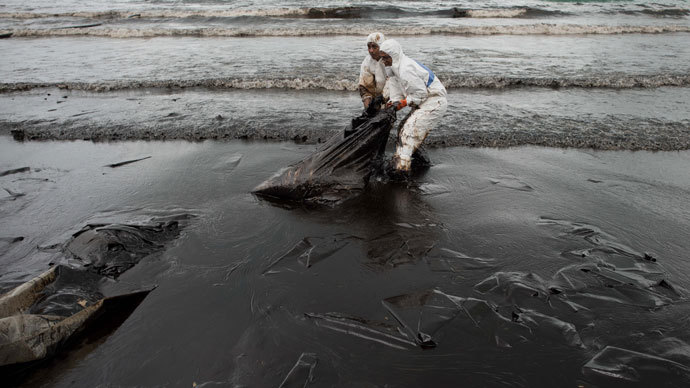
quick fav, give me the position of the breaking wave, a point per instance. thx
(170, 13)
(497, 13)
(316, 13)
(500, 13)
(451, 81)
(662, 12)
(327, 83)
(350, 12)
(525, 29)
(604, 81)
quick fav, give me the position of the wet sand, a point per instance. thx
(524, 266)
(605, 119)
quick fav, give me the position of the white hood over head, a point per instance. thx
(413, 81)
(393, 48)
(376, 37)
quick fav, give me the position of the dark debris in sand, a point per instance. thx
(632, 142)
(460, 128)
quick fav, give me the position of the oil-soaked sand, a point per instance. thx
(607, 119)
(516, 267)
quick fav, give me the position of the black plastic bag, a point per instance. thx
(340, 168)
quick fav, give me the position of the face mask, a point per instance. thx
(389, 71)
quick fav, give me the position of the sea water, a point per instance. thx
(526, 266)
(590, 69)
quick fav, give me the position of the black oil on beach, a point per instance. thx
(546, 246)
(520, 267)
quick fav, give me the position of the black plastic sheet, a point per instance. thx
(339, 169)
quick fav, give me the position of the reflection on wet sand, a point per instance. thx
(393, 224)
(399, 225)
(502, 268)
(522, 311)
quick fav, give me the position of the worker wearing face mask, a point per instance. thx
(372, 75)
(412, 84)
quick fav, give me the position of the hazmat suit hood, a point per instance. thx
(393, 48)
(376, 37)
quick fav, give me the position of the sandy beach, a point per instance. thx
(509, 255)
(546, 245)
(574, 118)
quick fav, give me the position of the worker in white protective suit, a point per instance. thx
(412, 84)
(372, 74)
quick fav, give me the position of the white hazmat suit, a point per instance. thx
(372, 74)
(412, 83)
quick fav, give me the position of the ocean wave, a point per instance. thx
(300, 12)
(349, 12)
(451, 81)
(327, 83)
(524, 29)
(658, 12)
(599, 81)
(490, 13)
(153, 14)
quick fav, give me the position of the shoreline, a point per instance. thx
(532, 220)
(652, 120)
(470, 139)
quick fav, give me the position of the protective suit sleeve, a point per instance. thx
(416, 91)
(367, 81)
(395, 89)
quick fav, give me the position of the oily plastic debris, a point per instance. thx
(339, 169)
(28, 335)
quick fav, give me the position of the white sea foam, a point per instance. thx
(525, 29)
(596, 81)
(283, 83)
(271, 12)
(163, 13)
(496, 13)
(335, 82)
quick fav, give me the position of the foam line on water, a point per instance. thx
(497, 13)
(343, 82)
(296, 12)
(525, 29)
(348, 12)
(153, 14)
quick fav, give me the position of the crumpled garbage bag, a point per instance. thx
(338, 170)
(111, 249)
